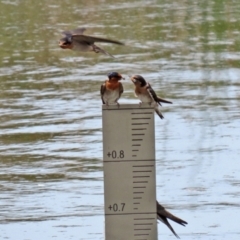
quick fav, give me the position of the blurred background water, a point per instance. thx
(51, 179)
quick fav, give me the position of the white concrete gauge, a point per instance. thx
(129, 172)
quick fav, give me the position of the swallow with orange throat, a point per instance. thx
(77, 41)
(112, 89)
(146, 94)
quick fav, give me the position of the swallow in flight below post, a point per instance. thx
(163, 215)
(112, 89)
(76, 41)
(146, 94)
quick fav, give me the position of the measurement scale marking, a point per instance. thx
(146, 217)
(141, 176)
(140, 181)
(141, 113)
(141, 229)
(141, 118)
(142, 224)
(138, 129)
(143, 165)
(138, 175)
(141, 234)
(133, 213)
(143, 171)
(140, 123)
(137, 198)
(117, 161)
(138, 134)
(129, 160)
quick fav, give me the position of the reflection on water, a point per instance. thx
(50, 124)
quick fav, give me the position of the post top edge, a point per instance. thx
(127, 106)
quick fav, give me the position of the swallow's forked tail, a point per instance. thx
(162, 100)
(158, 112)
(165, 221)
(163, 215)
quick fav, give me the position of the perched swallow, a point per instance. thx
(163, 215)
(75, 40)
(112, 89)
(146, 94)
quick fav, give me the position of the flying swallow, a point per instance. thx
(163, 215)
(146, 94)
(75, 40)
(112, 89)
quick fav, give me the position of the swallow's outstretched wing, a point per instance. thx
(91, 39)
(155, 97)
(102, 91)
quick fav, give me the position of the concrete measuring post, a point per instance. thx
(129, 172)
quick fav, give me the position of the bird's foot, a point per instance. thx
(95, 49)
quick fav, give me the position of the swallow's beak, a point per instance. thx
(133, 80)
(65, 45)
(61, 44)
(121, 77)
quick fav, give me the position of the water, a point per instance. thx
(51, 179)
